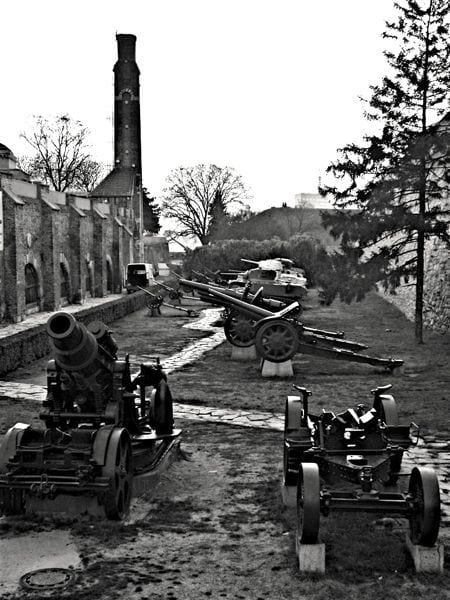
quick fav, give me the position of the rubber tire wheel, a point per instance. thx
(308, 503)
(239, 330)
(118, 468)
(276, 340)
(387, 411)
(162, 409)
(424, 523)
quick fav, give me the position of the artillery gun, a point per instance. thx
(238, 327)
(278, 336)
(97, 433)
(351, 461)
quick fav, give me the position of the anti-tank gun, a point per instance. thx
(351, 461)
(237, 326)
(279, 335)
(99, 433)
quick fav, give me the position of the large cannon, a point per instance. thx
(98, 432)
(278, 336)
(351, 461)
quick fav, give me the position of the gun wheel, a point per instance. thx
(292, 417)
(161, 413)
(118, 469)
(387, 411)
(276, 340)
(425, 518)
(239, 330)
(308, 503)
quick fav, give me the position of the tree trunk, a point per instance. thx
(419, 287)
(420, 253)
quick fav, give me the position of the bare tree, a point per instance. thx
(88, 176)
(62, 158)
(193, 194)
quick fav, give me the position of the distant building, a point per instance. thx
(309, 200)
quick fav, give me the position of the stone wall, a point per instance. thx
(59, 239)
(436, 314)
(26, 346)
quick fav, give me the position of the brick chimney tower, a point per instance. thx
(127, 114)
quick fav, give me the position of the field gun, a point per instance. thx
(157, 300)
(173, 293)
(237, 326)
(351, 462)
(98, 433)
(278, 336)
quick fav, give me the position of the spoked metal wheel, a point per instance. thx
(118, 469)
(239, 330)
(425, 518)
(276, 340)
(308, 503)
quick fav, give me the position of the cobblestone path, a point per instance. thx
(428, 452)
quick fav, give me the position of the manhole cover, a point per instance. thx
(47, 579)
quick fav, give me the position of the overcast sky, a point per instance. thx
(268, 87)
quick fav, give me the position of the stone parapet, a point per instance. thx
(25, 342)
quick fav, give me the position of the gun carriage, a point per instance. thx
(278, 336)
(351, 461)
(100, 427)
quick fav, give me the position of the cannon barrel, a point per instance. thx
(75, 348)
(226, 298)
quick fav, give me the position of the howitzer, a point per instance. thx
(98, 433)
(173, 293)
(279, 336)
(203, 276)
(158, 301)
(241, 294)
(238, 327)
(346, 462)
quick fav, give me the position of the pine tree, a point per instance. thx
(151, 212)
(389, 190)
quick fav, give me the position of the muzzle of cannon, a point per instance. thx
(74, 346)
(278, 336)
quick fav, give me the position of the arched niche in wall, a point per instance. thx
(64, 283)
(89, 278)
(32, 289)
(109, 275)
